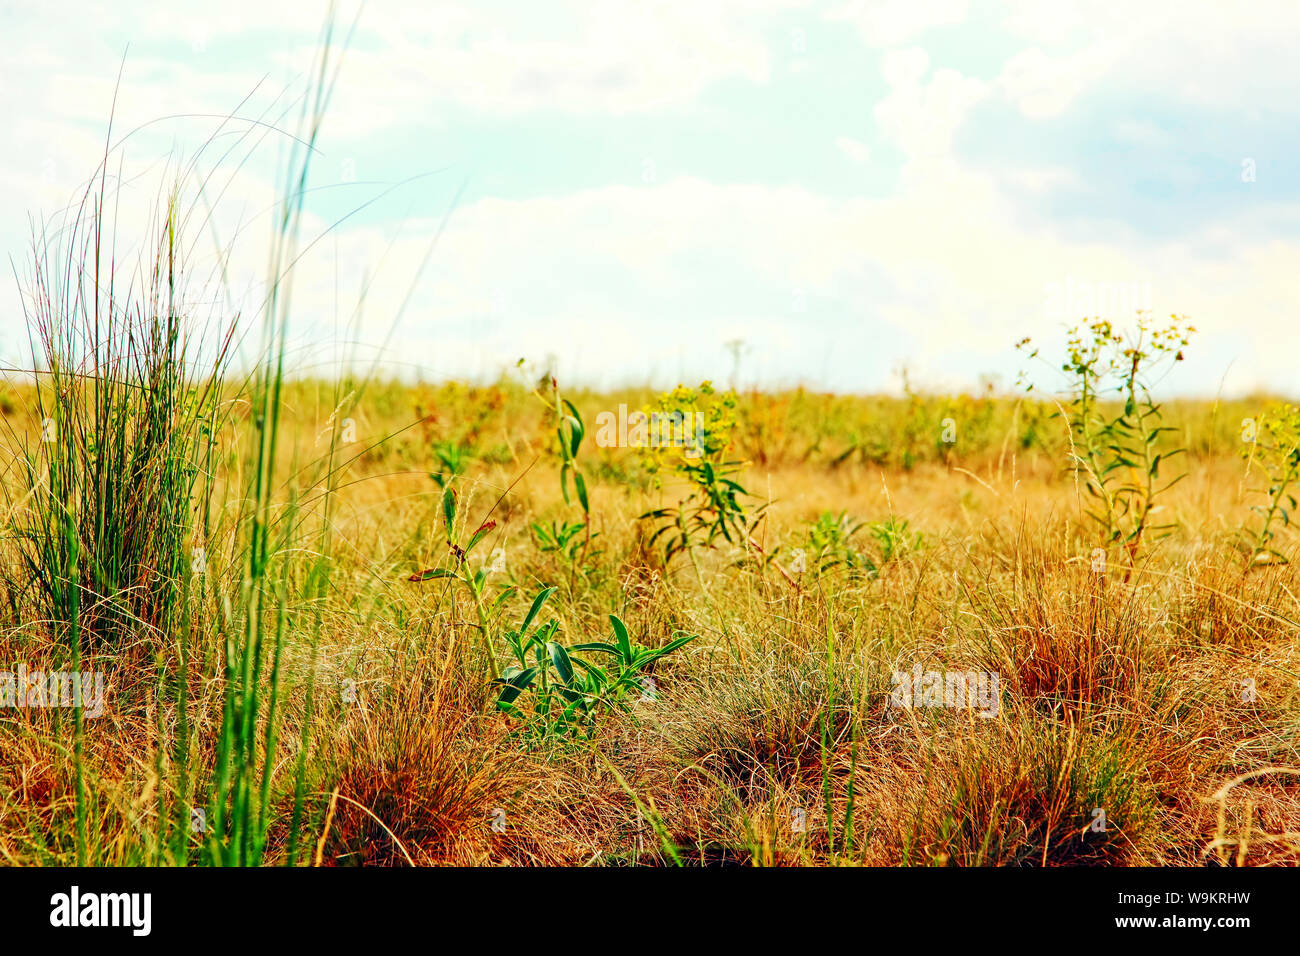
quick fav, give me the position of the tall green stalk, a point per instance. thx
(245, 760)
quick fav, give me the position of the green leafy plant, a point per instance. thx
(1275, 450)
(562, 538)
(571, 542)
(567, 692)
(570, 431)
(830, 543)
(894, 538)
(712, 509)
(453, 460)
(1117, 428)
(472, 580)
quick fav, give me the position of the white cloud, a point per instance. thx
(611, 280)
(904, 67)
(1042, 86)
(619, 279)
(921, 116)
(614, 59)
(1201, 52)
(1040, 179)
(625, 282)
(856, 150)
(887, 23)
(406, 61)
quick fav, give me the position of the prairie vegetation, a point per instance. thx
(453, 661)
(350, 621)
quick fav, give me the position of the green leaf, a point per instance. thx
(514, 682)
(538, 601)
(676, 643)
(598, 646)
(595, 673)
(478, 536)
(431, 574)
(576, 700)
(1172, 482)
(560, 658)
(449, 512)
(576, 429)
(581, 485)
(621, 637)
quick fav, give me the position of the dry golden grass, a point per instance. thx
(1122, 691)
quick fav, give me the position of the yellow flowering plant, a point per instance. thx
(1273, 446)
(713, 506)
(1118, 444)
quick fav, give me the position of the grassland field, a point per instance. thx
(372, 690)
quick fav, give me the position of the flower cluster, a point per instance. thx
(716, 413)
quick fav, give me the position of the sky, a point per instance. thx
(772, 191)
